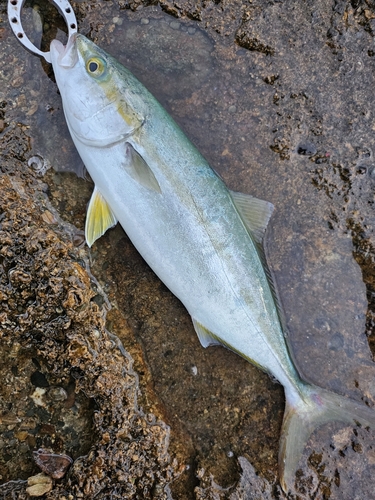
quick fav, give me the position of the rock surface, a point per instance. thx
(278, 97)
(67, 384)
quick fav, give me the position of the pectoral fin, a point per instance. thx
(99, 218)
(206, 337)
(254, 212)
(139, 170)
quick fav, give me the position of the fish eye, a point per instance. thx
(95, 66)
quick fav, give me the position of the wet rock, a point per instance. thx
(298, 72)
(306, 149)
(70, 384)
(53, 464)
(253, 42)
(249, 487)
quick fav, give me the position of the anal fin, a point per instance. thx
(206, 337)
(99, 218)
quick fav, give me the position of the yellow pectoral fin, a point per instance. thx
(99, 218)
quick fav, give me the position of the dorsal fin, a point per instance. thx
(138, 169)
(99, 217)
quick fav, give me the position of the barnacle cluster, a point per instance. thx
(68, 385)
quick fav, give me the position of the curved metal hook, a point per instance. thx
(14, 16)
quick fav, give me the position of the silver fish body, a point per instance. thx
(202, 240)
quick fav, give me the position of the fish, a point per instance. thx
(204, 241)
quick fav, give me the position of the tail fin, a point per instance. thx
(316, 407)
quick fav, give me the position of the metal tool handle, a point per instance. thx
(14, 16)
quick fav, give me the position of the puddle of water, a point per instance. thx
(231, 105)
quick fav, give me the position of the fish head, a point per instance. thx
(99, 108)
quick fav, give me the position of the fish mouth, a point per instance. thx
(64, 56)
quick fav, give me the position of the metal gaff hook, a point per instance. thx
(14, 16)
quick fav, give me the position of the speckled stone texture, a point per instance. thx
(67, 383)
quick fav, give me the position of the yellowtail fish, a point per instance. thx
(200, 238)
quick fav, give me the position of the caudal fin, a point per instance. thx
(316, 407)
